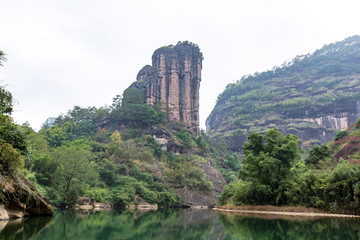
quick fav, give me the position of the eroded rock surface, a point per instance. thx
(173, 81)
(19, 197)
(194, 198)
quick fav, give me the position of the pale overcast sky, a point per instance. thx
(84, 52)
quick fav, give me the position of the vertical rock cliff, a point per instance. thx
(173, 81)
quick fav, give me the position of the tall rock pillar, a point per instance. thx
(190, 77)
(173, 81)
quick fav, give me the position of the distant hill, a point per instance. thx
(313, 96)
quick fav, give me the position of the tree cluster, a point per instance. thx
(272, 172)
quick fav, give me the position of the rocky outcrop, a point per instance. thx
(85, 203)
(141, 204)
(172, 84)
(19, 198)
(194, 198)
(173, 81)
(312, 126)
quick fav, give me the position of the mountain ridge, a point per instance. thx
(314, 96)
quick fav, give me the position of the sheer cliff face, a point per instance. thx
(173, 81)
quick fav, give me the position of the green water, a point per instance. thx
(175, 224)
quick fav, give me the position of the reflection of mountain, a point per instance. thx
(195, 224)
(175, 224)
(131, 225)
(27, 228)
(238, 227)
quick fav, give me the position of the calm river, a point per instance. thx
(176, 224)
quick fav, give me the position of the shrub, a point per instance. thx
(340, 135)
(99, 194)
(168, 199)
(185, 137)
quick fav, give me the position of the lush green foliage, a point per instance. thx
(6, 103)
(319, 156)
(13, 147)
(74, 169)
(104, 167)
(340, 135)
(134, 109)
(81, 154)
(267, 167)
(272, 173)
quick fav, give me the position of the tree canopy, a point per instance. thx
(267, 164)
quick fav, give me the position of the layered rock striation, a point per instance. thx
(173, 81)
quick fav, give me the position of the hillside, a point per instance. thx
(346, 144)
(272, 173)
(121, 158)
(313, 96)
(146, 146)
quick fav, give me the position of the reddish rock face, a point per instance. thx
(173, 80)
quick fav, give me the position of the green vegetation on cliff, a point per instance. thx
(307, 96)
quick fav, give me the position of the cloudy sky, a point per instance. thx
(84, 52)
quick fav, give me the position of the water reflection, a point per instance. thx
(162, 224)
(175, 224)
(27, 228)
(273, 227)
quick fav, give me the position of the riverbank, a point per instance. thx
(283, 211)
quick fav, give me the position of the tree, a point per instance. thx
(55, 135)
(116, 105)
(12, 138)
(12, 133)
(38, 148)
(267, 164)
(9, 156)
(6, 101)
(132, 96)
(75, 171)
(135, 109)
(2, 57)
(339, 135)
(318, 154)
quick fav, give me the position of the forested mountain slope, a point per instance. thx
(313, 96)
(115, 154)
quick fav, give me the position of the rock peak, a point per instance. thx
(173, 80)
